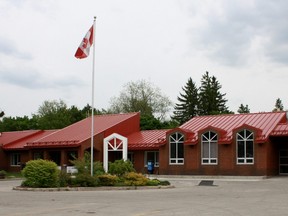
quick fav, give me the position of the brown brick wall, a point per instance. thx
(265, 161)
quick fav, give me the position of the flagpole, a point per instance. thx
(92, 112)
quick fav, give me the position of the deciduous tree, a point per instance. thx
(141, 96)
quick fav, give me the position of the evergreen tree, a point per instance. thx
(243, 109)
(278, 105)
(188, 103)
(211, 100)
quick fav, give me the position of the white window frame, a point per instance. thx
(156, 158)
(212, 138)
(15, 159)
(179, 139)
(246, 138)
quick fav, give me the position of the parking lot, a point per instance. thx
(226, 196)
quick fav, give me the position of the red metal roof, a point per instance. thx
(26, 136)
(264, 123)
(149, 139)
(9, 137)
(280, 130)
(76, 133)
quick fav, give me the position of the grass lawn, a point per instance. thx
(14, 175)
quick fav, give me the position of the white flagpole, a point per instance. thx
(92, 112)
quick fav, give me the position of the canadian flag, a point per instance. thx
(84, 48)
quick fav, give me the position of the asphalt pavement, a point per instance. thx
(217, 196)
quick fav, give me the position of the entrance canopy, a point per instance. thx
(114, 142)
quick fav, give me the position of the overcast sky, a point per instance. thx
(243, 43)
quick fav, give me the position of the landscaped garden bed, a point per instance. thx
(44, 175)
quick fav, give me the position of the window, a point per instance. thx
(130, 157)
(15, 159)
(71, 156)
(209, 148)
(38, 155)
(152, 156)
(176, 145)
(245, 151)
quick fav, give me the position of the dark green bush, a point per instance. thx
(85, 180)
(120, 167)
(41, 173)
(164, 183)
(64, 179)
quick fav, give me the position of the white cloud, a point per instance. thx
(242, 43)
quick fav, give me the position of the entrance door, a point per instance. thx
(55, 156)
(283, 161)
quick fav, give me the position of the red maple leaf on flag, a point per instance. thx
(84, 47)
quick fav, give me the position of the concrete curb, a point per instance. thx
(201, 177)
(20, 188)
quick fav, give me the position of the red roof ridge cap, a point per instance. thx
(114, 114)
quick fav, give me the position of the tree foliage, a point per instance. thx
(18, 123)
(211, 100)
(278, 105)
(53, 115)
(187, 107)
(243, 109)
(50, 115)
(206, 100)
(141, 96)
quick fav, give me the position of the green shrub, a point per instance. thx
(108, 180)
(85, 180)
(98, 168)
(3, 172)
(41, 173)
(120, 167)
(64, 179)
(153, 182)
(83, 165)
(135, 179)
(164, 183)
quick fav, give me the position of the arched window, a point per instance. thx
(245, 147)
(176, 148)
(209, 148)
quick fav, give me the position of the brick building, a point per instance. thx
(233, 144)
